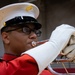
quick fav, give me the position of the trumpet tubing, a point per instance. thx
(42, 42)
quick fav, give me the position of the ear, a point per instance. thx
(5, 38)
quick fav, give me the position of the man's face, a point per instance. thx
(20, 41)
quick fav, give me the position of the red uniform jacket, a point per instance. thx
(23, 65)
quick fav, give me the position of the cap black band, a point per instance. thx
(21, 20)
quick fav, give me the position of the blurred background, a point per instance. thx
(52, 14)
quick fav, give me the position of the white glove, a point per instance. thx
(63, 33)
(69, 51)
(46, 53)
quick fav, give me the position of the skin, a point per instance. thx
(16, 42)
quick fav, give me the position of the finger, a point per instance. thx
(68, 49)
(73, 60)
(72, 40)
(71, 54)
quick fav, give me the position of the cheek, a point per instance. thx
(19, 40)
(23, 43)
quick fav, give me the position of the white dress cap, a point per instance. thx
(17, 9)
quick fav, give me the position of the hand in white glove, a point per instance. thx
(69, 51)
(61, 35)
(46, 53)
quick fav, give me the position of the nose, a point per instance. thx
(33, 35)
